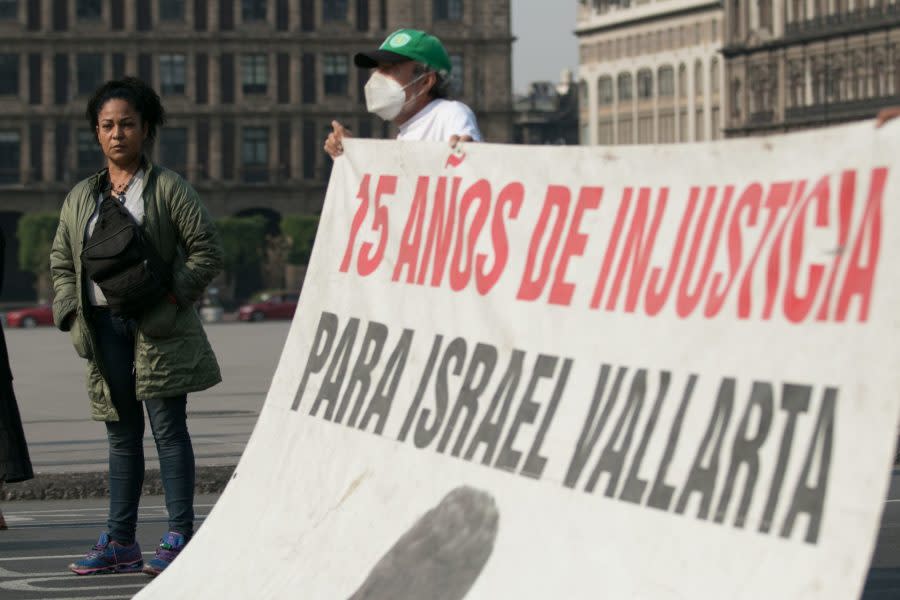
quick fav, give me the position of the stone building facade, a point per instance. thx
(650, 71)
(795, 64)
(250, 88)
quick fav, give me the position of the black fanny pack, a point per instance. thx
(122, 262)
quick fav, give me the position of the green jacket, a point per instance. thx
(172, 353)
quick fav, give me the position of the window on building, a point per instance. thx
(698, 78)
(60, 15)
(226, 78)
(36, 143)
(33, 16)
(362, 15)
(10, 156)
(253, 10)
(605, 91)
(60, 78)
(334, 10)
(626, 129)
(283, 76)
(89, 159)
(61, 152)
(202, 133)
(118, 65)
(282, 15)
(145, 68)
(682, 125)
(226, 15)
(448, 10)
(311, 149)
(35, 89)
(666, 82)
(173, 149)
(624, 86)
(284, 150)
(90, 72)
(9, 10)
(88, 10)
(645, 129)
(307, 15)
(336, 67)
(201, 73)
(714, 76)
(736, 98)
(255, 73)
(715, 113)
(605, 133)
(796, 81)
(255, 154)
(171, 10)
(201, 11)
(765, 14)
(666, 128)
(645, 84)
(308, 72)
(117, 15)
(9, 74)
(171, 73)
(698, 126)
(228, 130)
(456, 75)
(144, 15)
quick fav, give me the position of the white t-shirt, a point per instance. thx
(134, 202)
(439, 121)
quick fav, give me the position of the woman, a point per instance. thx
(15, 464)
(150, 360)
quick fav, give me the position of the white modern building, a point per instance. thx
(650, 71)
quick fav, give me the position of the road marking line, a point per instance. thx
(18, 558)
(81, 510)
(25, 585)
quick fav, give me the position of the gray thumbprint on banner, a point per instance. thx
(442, 555)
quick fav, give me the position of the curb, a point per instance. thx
(76, 486)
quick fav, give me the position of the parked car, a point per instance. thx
(30, 317)
(269, 305)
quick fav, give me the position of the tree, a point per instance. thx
(36, 232)
(301, 232)
(244, 241)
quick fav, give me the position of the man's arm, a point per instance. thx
(334, 144)
(886, 114)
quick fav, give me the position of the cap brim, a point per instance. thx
(370, 60)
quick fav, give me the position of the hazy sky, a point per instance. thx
(546, 43)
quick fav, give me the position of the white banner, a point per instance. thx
(527, 372)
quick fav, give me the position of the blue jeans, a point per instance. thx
(168, 420)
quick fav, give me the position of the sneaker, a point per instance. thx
(170, 546)
(108, 556)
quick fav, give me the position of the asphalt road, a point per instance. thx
(50, 387)
(44, 537)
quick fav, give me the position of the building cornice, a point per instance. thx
(812, 35)
(645, 14)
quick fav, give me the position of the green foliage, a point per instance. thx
(243, 240)
(301, 231)
(36, 232)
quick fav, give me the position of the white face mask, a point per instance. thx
(385, 96)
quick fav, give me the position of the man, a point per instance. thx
(409, 88)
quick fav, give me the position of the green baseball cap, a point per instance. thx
(404, 45)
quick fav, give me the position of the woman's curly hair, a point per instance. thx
(141, 96)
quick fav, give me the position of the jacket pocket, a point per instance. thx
(81, 338)
(159, 321)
